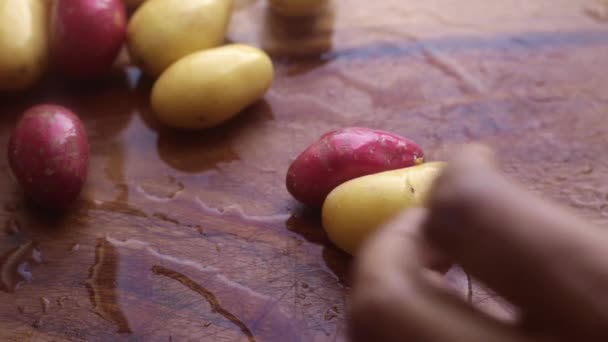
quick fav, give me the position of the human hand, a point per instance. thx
(552, 266)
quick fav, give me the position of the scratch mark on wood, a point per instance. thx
(466, 82)
(166, 218)
(45, 303)
(208, 295)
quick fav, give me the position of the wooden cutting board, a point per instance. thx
(192, 236)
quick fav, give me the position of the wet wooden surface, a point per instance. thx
(190, 237)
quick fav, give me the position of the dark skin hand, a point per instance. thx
(551, 265)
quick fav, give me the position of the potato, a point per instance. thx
(23, 43)
(345, 154)
(355, 209)
(48, 153)
(297, 8)
(206, 88)
(86, 36)
(163, 31)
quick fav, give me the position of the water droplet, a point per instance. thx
(604, 210)
(598, 12)
(10, 207)
(37, 323)
(237, 211)
(12, 227)
(45, 302)
(218, 247)
(75, 248)
(37, 255)
(61, 300)
(587, 169)
(141, 245)
(14, 267)
(24, 272)
(467, 82)
(161, 192)
(585, 196)
(207, 324)
(133, 76)
(330, 313)
(305, 285)
(166, 218)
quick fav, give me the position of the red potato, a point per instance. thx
(49, 155)
(86, 36)
(346, 154)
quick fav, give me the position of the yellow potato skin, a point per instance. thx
(162, 31)
(355, 209)
(23, 43)
(206, 88)
(296, 8)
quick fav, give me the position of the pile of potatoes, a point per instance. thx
(362, 178)
(199, 82)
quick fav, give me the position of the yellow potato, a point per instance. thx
(296, 8)
(23, 43)
(163, 31)
(206, 88)
(355, 209)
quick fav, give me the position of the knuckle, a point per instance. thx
(458, 191)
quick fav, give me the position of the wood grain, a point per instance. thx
(192, 236)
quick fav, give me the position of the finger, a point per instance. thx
(396, 297)
(549, 263)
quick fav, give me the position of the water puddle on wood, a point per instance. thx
(138, 287)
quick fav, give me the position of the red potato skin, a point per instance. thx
(346, 154)
(48, 153)
(86, 36)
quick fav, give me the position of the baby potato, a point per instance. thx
(162, 31)
(23, 43)
(355, 209)
(48, 152)
(345, 154)
(86, 36)
(298, 8)
(206, 88)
